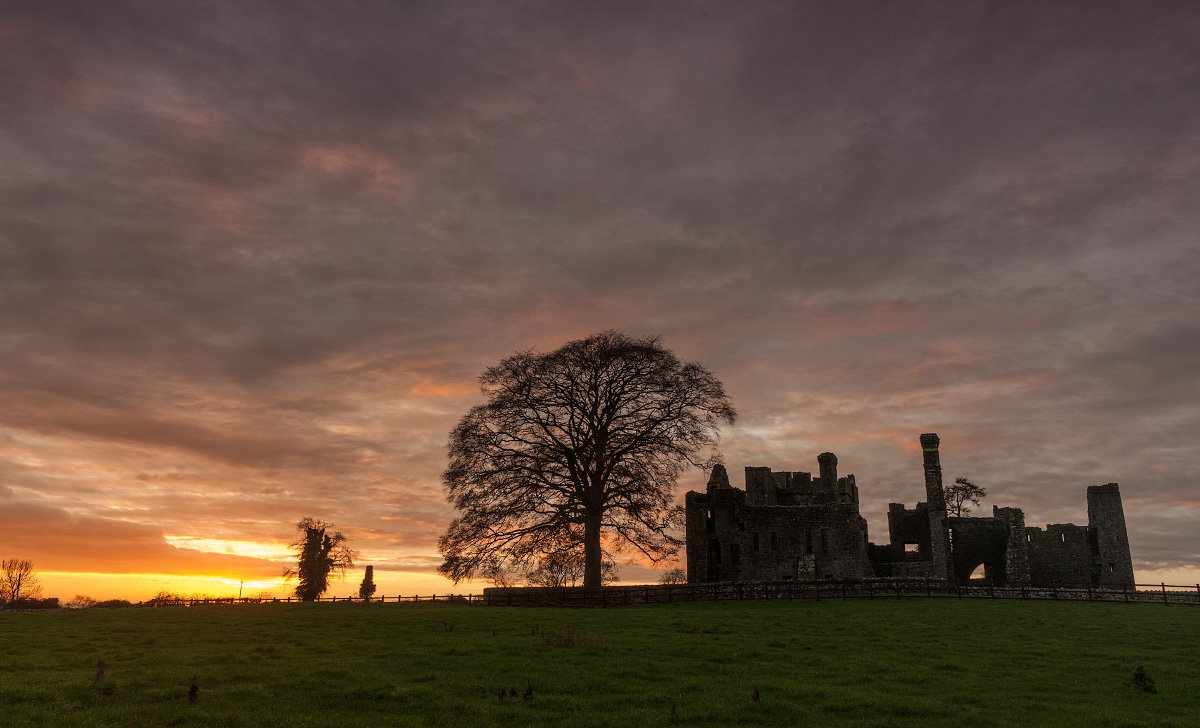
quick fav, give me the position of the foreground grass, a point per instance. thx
(830, 663)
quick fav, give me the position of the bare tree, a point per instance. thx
(565, 568)
(960, 493)
(578, 449)
(673, 576)
(319, 553)
(499, 574)
(18, 581)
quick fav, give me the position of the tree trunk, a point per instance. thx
(592, 555)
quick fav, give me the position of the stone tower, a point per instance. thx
(1109, 540)
(939, 532)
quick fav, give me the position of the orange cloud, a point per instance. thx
(56, 540)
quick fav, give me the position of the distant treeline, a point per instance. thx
(162, 598)
(32, 603)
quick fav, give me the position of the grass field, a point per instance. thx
(830, 663)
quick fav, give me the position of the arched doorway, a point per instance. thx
(978, 550)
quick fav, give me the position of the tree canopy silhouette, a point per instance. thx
(319, 553)
(18, 581)
(960, 493)
(578, 450)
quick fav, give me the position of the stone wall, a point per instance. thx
(778, 528)
(1060, 554)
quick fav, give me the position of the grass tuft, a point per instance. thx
(569, 636)
(1140, 681)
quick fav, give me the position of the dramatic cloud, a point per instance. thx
(253, 256)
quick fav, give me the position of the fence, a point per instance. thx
(415, 599)
(614, 596)
(866, 589)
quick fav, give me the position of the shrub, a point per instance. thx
(34, 603)
(162, 599)
(1140, 681)
(113, 604)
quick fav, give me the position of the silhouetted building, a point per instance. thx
(791, 525)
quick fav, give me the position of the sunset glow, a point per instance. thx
(269, 551)
(253, 259)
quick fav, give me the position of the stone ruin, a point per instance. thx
(793, 526)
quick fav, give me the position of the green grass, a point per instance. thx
(878, 663)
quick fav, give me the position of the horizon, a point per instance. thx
(254, 259)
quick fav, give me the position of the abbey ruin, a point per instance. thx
(793, 526)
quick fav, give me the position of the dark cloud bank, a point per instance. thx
(253, 255)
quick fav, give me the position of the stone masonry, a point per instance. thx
(792, 525)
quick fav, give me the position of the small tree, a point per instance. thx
(566, 569)
(959, 494)
(320, 551)
(673, 576)
(18, 581)
(367, 588)
(499, 574)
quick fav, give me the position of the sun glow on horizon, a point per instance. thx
(139, 587)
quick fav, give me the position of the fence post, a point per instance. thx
(1164, 591)
(1198, 593)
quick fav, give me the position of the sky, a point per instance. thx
(254, 256)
